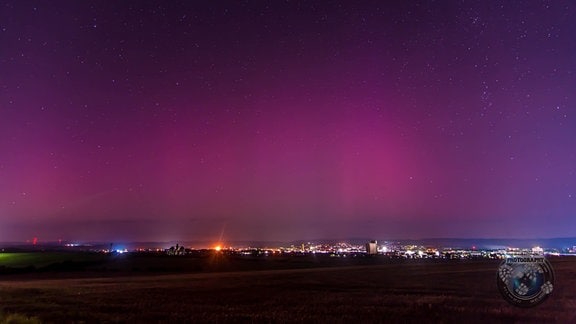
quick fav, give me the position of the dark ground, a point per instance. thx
(333, 291)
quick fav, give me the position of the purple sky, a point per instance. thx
(272, 120)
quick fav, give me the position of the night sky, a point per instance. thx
(286, 120)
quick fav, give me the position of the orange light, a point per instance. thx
(218, 248)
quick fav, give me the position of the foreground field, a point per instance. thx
(394, 292)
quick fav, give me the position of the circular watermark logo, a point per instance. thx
(525, 281)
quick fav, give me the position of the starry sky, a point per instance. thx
(287, 120)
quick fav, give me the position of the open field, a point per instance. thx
(437, 291)
(44, 259)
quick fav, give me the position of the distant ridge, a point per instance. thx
(493, 243)
(479, 243)
(560, 243)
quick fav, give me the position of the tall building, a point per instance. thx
(371, 248)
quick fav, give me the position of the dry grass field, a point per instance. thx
(430, 291)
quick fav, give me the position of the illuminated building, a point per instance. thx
(371, 248)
